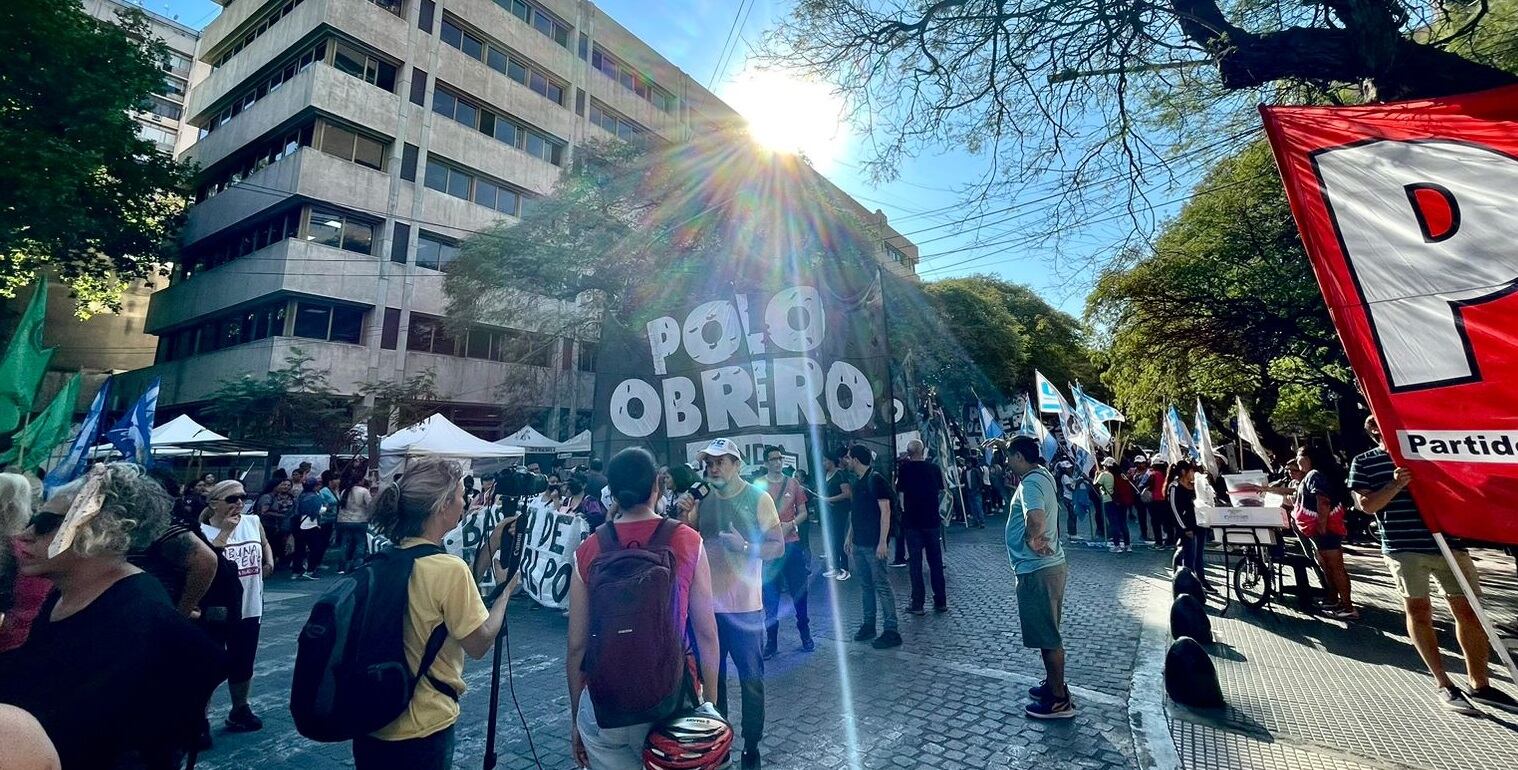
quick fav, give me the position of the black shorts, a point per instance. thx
(241, 642)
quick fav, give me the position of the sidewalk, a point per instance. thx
(1306, 692)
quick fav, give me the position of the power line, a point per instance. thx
(721, 55)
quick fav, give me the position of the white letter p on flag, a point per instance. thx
(1428, 228)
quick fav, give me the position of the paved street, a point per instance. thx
(1303, 692)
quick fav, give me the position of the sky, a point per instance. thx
(920, 202)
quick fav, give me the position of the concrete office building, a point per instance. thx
(346, 146)
(162, 122)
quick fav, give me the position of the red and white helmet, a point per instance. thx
(688, 741)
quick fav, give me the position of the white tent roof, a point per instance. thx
(437, 436)
(184, 431)
(578, 444)
(529, 439)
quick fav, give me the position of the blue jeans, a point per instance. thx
(1117, 524)
(977, 511)
(874, 588)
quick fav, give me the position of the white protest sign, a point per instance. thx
(548, 555)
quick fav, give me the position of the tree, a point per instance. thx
(1109, 101)
(402, 403)
(1007, 331)
(80, 192)
(292, 406)
(1225, 304)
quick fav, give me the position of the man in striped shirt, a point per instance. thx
(1380, 489)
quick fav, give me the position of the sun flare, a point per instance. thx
(790, 115)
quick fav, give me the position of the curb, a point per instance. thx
(1148, 717)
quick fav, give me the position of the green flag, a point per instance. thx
(24, 363)
(31, 447)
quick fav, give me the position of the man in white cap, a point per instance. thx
(741, 529)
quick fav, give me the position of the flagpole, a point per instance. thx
(885, 325)
(1475, 600)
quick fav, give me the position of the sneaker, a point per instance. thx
(841, 575)
(1050, 708)
(305, 576)
(1040, 691)
(830, 572)
(940, 608)
(807, 645)
(1455, 700)
(1497, 699)
(750, 759)
(887, 640)
(897, 564)
(1114, 548)
(243, 720)
(864, 634)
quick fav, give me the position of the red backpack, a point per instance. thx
(635, 661)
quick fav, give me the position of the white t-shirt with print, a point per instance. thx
(245, 548)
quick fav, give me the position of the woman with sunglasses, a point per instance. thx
(243, 541)
(114, 673)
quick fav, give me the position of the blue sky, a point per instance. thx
(691, 33)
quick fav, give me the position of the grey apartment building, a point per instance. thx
(346, 147)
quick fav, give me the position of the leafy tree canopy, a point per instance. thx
(80, 192)
(1225, 304)
(292, 406)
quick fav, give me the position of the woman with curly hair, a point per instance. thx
(113, 672)
(21, 596)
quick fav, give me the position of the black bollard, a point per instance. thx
(1190, 678)
(1188, 617)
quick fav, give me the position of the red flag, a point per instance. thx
(1410, 214)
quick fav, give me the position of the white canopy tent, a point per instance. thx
(529, 439)
(579, 444)
(437, 437)
(183, 436)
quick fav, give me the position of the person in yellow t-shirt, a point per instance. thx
(424, 504)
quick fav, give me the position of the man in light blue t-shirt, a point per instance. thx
(1033, 544)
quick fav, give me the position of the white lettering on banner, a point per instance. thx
(548, 555)
(1427, 229)
(1462, 446)
(680, 406)
(663, 339)
(753, 394)
(628, 393)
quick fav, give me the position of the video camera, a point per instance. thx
(517, 481)
(687, 479)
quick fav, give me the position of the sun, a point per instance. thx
(788, 114)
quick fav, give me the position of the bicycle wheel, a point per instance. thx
(1252, 585)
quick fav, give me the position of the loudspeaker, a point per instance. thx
(1188, 617)
(1190, 678)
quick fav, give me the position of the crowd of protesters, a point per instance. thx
(176, 578)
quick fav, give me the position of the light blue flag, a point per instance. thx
(1182, 437)
(73, 464)
(1049, 398)
(1030, 425)
(132, 435)
(1095, 428)
(990, 426)
(1204, 441)
(1100, 412)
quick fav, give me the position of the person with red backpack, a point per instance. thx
(641, 594)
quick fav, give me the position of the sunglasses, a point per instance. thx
(233, 498)
(45, 523)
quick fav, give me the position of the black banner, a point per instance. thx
(803, 365)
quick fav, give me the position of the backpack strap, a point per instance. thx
(439, 634)
(663, 533)
(607, 535)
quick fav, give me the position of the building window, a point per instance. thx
(178, 64)
(502, 127)
(253, 159)
(238, 242)
(434, 251)
(330, 227)
(631, 79)
(453, 181)
(390, 331)
(538, 19)
(425, 16)
(897, 255)
(393, 6)
(586, 359)
(255, 29)
(158, 135)
(163, 108)
(342, 56)
(613, 123)
(400, 243)
(427, 334)
(224, 331)
(334, 323)
(351, 146)
(504, 61)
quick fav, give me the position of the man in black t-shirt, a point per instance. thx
(837, 488)
(1413, 556)
(869, 525)
(921, 485)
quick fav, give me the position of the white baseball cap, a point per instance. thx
(722, 446)
(1140, 459)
